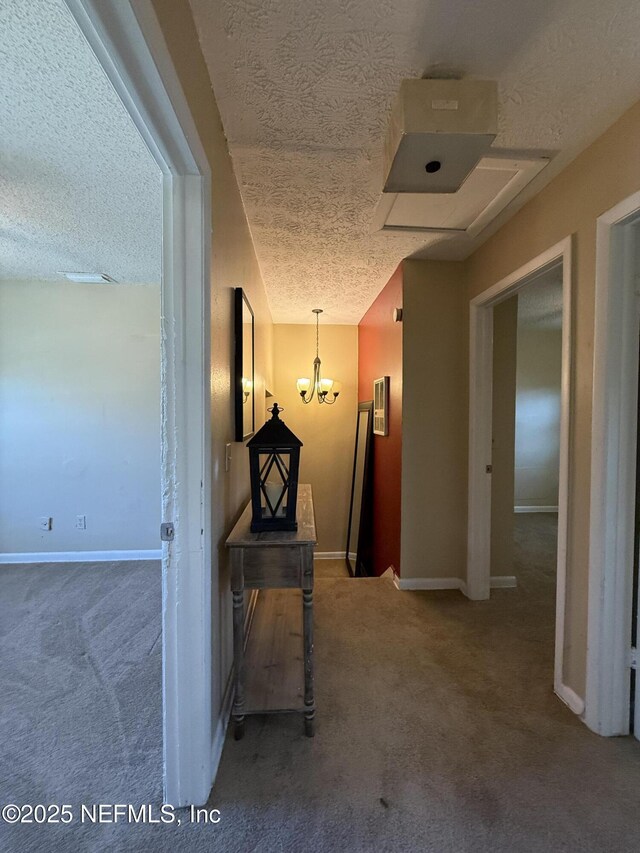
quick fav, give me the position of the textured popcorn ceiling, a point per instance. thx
(79, 190)
(304, 89)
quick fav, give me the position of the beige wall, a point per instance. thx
(505, 328)
(327, 432)
(603, 175)
(434, 412)
(233, 264)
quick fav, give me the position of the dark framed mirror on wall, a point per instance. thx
(359, 553)
(243, 378)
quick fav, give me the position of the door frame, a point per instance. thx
(480, 434)
(128, 42)
(614, 433)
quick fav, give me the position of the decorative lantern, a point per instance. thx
(274, 462)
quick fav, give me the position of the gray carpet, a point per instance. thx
(437, 730)
(80, 669)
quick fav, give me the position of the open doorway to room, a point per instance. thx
(80, 425)
(526, 414)
(519, 428)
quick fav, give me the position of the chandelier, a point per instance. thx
(320, 388)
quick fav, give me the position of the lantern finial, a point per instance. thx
(275, 410)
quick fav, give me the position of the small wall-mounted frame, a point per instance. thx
(381, 406)
(243, 378)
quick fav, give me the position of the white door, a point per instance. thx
(633, 250)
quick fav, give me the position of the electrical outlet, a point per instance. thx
(81, 522)
(45, 522)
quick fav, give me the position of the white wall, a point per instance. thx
(537, 441)
(79, 416)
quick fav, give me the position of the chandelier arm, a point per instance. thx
(315, 385)
(306, 399)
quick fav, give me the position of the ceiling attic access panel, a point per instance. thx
(490, 187)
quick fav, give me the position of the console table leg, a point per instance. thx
(238, 663)
(309, 702)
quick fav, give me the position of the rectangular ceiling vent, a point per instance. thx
(89, 277)
(490, 187)
(438, 132)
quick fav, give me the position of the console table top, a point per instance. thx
(242, 537)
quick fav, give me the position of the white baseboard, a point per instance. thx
(499, 582)
(535, 509)
(219, 735)
(329, 555)
(504, 581)
(570, 698)
(80, 556)
(429, 583)
(217, 742)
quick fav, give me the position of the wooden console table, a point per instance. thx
(266, 561)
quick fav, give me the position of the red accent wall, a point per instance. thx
(380, 354)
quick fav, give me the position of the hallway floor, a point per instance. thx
(437, 730)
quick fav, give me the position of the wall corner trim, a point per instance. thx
(570, 698)
(535, 509)
(79, 557)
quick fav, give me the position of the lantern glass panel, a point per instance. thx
(274, 483)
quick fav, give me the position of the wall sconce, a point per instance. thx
(247, 385)
(321, 388)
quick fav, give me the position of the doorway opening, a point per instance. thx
(549, 269)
